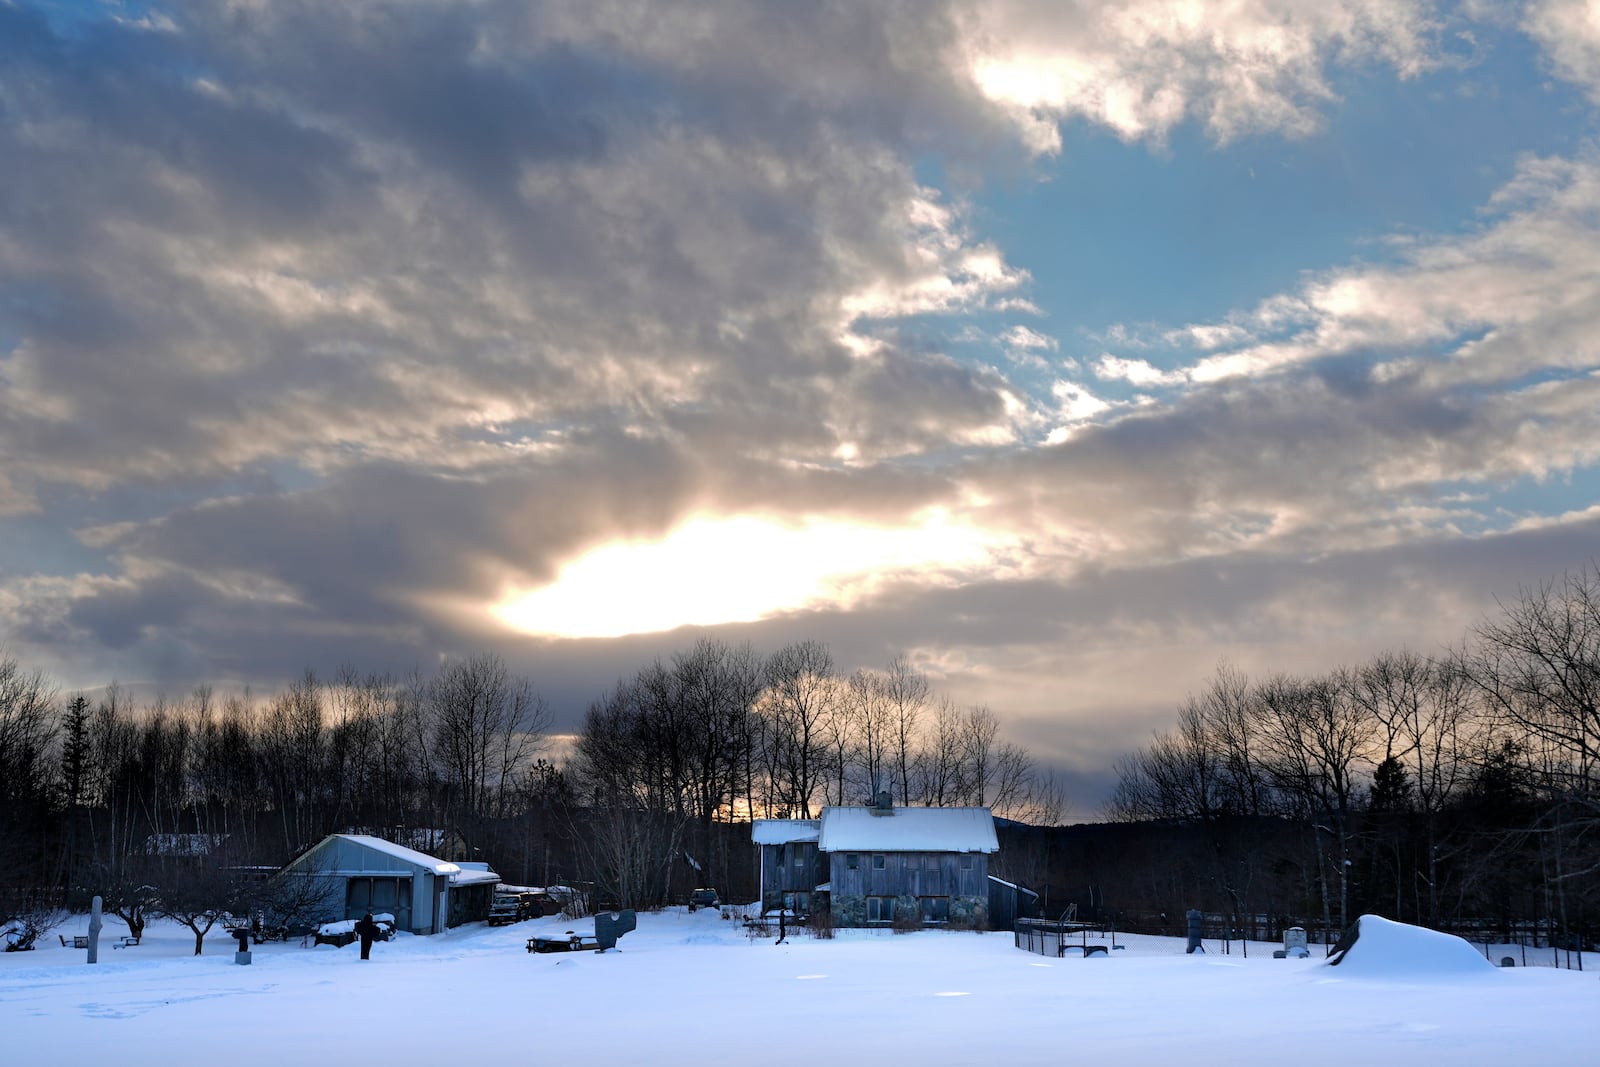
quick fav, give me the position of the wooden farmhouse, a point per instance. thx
(362, 874)
(870, 866)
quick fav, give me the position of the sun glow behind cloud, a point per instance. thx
(710, 571)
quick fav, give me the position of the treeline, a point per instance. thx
(1456, 791)
(114, 798)
(720, 734)
(97, 795)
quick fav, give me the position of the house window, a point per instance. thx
(797, 903)
(799, 857)
(877, 862)
(935, 909)
(880, 909)
(852, 861)
(966, 861)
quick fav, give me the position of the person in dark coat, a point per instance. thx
(367, 931)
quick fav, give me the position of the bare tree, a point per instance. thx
(799, 702)
(906, 691)
(939, 760)
(869, 715)
(1318, 742)
(28, 730)
(487, 728)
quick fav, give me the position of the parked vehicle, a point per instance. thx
(506, 908)
(703, 898)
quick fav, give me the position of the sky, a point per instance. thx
(1066, 349)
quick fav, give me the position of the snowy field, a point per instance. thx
(692, 989)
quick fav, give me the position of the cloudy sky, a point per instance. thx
(1066, 348)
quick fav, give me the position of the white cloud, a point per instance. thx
(1569, 32)
(1142, 68)
(1022, 338)
(1520, 294)
(1134, 371)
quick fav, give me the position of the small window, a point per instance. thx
(852, 861)
(799, 858)
(880, 909)
(966, 861)
(878, 862)
(935, 909)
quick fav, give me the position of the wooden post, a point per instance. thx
(94, 931)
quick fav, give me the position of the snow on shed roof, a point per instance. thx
(475, 877)
(400, 852)
(908, 830)
(784, 831)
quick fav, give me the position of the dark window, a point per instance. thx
(880, 909)
(966, 861)
(935, 909)
(799, 857)
(852, 861)
(877, 863)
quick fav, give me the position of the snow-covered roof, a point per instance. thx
(474, 877)
(1013, 885)
(784, 831)
(908, 830)
(408, 855)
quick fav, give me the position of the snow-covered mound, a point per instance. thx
(1377, 946)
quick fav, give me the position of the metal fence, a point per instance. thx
(1054, 937)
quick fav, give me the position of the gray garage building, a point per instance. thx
(424, 893)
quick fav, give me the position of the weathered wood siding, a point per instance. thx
(910, 874)
(792, 868)
(909, 877)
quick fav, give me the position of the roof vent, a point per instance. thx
(883, 804)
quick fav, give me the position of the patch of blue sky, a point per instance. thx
(71, 16)
(1503, 506)
(1132, 234)
(44, 543)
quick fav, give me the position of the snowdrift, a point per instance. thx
(1377, 946)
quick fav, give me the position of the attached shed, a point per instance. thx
(1009, 902)
(791, 866)
(425, 894)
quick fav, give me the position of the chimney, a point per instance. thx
(883, 804)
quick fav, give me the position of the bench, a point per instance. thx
(125, 941)
(567, 942)
(608, 929)
(1085, 950)
(78, 941)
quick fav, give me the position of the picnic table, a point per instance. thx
(564, 942)
(341, 933)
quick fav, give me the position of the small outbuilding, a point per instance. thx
(362, 874)
(1009, 902)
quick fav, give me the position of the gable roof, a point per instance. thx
(400, 852)
(856, 829)
(784, 831)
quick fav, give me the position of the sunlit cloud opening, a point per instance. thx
(722, 570)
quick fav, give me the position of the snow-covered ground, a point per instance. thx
(692, 989)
